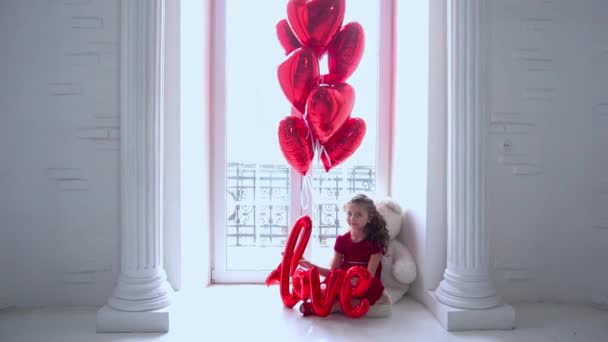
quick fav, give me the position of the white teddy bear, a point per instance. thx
(398, 265)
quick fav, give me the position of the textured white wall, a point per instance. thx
(547, 164)
(59, 151)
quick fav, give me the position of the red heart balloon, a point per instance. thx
(327, 109)
(295, 143)
(297, 76)
(315, 22)
(344, 53)
(288, 40)
(343, 143)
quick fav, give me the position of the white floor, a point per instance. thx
(255, 313)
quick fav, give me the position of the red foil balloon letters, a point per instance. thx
(341, 286)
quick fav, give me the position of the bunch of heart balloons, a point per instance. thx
(322, 122)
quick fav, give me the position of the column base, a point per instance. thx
(110, 320)
(501, 317)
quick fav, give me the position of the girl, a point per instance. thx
(362, 245)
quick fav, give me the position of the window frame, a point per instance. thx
(384, 144)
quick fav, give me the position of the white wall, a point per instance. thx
(547, 164)
(59, 151)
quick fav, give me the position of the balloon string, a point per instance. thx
(308, 130)
(306, 193)
(324, 151)
(316, 147)
(308, 133)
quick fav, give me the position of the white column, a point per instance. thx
(466, 298)
(140, 300)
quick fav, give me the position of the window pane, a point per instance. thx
(257, 176)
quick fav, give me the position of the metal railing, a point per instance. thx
(258, 200)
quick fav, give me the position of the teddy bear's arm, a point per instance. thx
(404, 266)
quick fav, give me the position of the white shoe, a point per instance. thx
(379, 310)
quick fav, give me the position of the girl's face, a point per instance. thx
(356, 216)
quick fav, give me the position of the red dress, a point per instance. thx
(358, 254)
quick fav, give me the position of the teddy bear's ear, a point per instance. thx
(390, 204)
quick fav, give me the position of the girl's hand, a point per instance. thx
(306, 264)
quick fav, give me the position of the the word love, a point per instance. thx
(297, 284)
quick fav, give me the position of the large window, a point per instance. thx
(256, 196)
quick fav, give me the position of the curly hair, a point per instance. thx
(375, 230)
